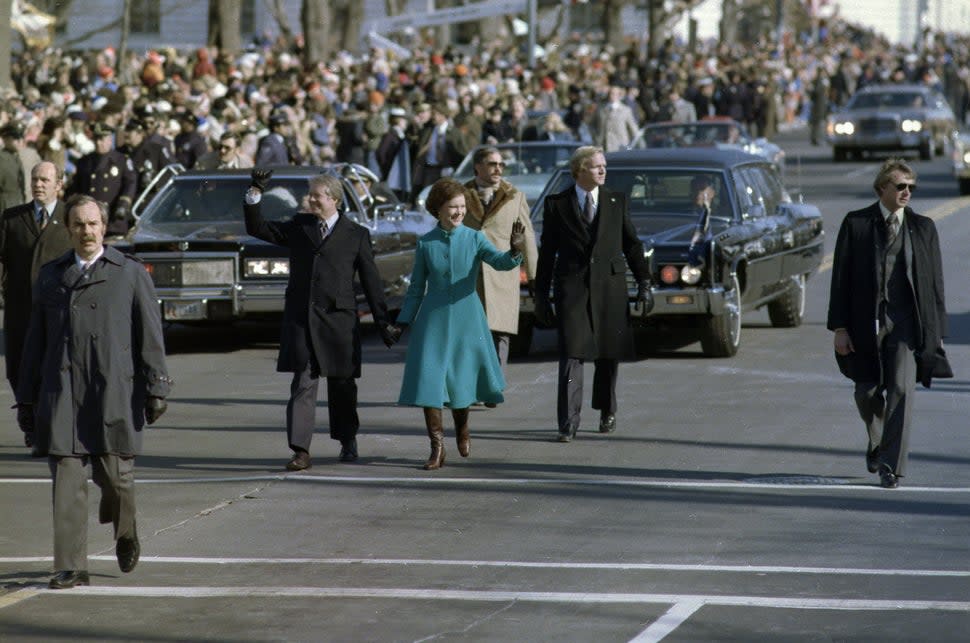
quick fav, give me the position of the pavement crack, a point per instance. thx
(471, 625)
(248, 495)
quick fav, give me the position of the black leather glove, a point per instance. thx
(154, 407)
(25, 417)
(545, 317)
(391, 334)
(260, 178)
(121, 211)
(517, 240)
(530, 287)
(644, 296)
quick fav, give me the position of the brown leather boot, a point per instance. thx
(461, 431)
(432, 419)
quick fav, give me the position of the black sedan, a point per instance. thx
(749, 247)
(192, 239)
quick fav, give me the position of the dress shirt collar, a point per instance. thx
(82, 264)
(581, 195)
(330, 221)
(886, 213)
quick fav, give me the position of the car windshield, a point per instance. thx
(688, 135)
(662, 193)
(887, 100)
(521, 160)
(220, 199)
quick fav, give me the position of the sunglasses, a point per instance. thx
(903, 186)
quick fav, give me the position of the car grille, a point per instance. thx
(201, 272)
(877, 125)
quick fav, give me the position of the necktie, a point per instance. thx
(590, 210)
(323, 229)
(892, 228)
(42, 217)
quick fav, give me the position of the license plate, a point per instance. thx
(179, 310)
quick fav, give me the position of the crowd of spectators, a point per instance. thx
(215, 109)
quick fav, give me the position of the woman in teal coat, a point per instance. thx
(451, 360)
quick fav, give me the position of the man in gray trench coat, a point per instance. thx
(93, 372)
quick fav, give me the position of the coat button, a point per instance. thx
(94, 335)
(94, 305)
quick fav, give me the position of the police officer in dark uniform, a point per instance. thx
(278, 147)
(109, 176)
(145, 156)
(190, 146)
(148, 115)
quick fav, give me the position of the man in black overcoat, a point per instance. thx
(31, 234)
(320, 335)
(587, 243)
(888, 314)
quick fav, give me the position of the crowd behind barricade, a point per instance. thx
(411, 120)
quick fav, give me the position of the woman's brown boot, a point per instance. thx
(432, 418)
(461, 431)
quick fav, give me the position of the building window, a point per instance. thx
(145, 16)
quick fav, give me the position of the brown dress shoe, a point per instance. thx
(69, 579)
(299, 462)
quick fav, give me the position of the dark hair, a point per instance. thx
(483, 153)
(442, 191)
(79, 200)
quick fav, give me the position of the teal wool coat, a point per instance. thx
(451, 359)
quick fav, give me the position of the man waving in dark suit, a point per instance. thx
(587, 242)
(31, 234)
(888, 313)
(321, 329)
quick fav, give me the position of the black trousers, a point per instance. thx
(570, 396)
(302, 406)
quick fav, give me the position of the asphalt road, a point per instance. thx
(732, 503)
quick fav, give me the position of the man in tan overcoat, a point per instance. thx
(493, 206)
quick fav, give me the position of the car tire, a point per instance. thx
(838, 154)
(789, 309)
(964, 186)
(721, 334)
(521, 343)
(926, 151)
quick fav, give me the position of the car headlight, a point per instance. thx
(912, 125)
(845, 128)
(255, 268)
(966, 158)
(690, 275)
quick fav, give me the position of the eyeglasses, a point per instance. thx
(498, 164)
(903, 186)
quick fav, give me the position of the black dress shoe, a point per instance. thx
(348, 450)
(69, 579)
(888, 479)
(127, 550)
(299, 461)
(872, 460)
(608, 423)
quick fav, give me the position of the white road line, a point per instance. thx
(415, 593)
(667, 623)
(17, 596)
(518, 564)
(852, 485)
